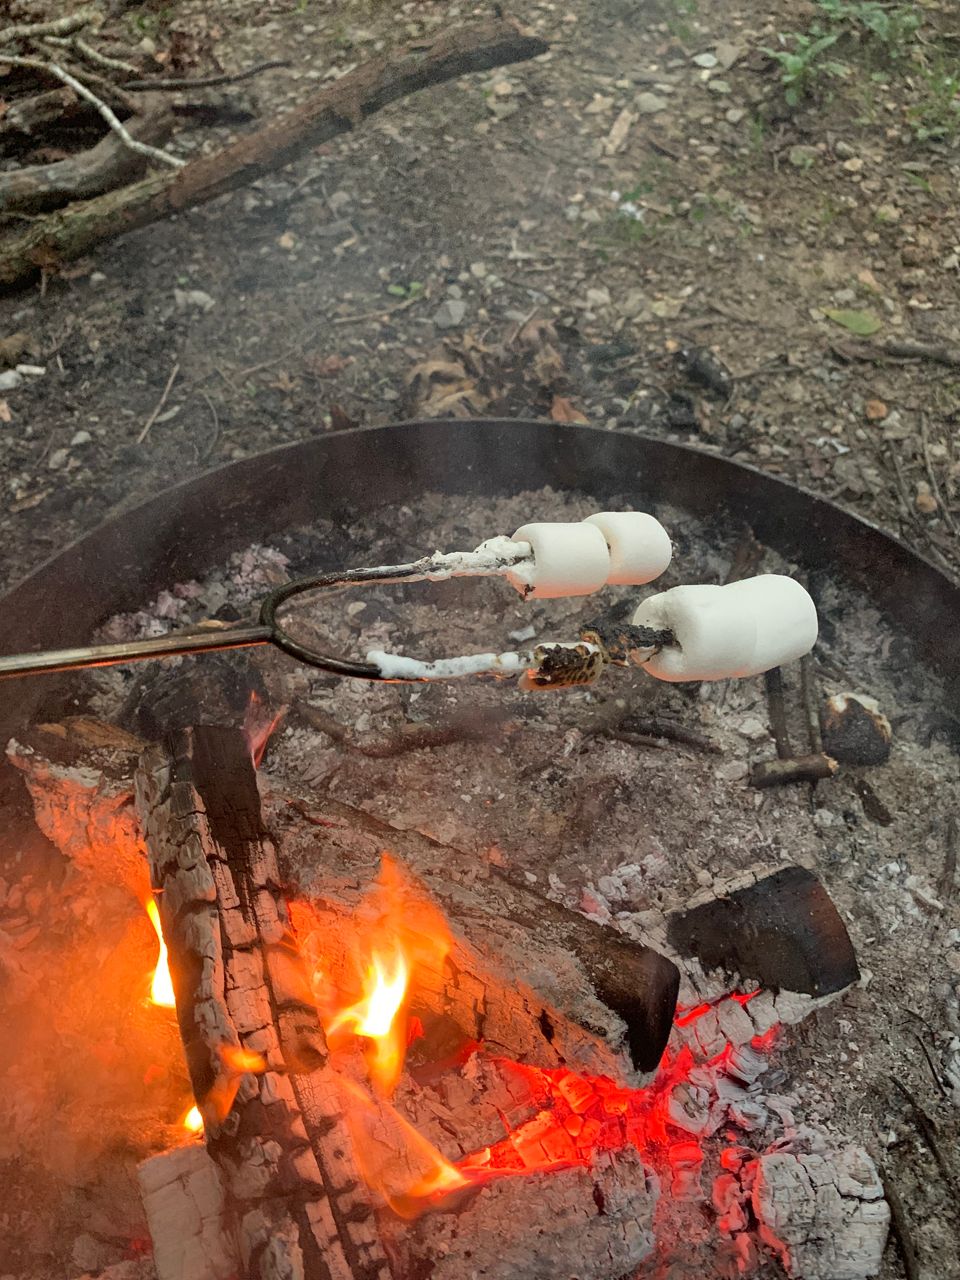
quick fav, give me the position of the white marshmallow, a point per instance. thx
(639, 546)
(568, 560)
(728, 632)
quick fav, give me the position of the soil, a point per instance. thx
(738, 221)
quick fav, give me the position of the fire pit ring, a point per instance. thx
(183, 530)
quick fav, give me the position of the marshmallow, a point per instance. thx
(738, 630)
(568, 560)
(639, 546)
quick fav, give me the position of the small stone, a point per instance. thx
(338, 201)
(844, 150)
(287, 241)
(648, 104)
(479, 270)
(875, 410)
(854, 164)
(599, 106)
(706, 60)
(502, 88)
(925, 502)
(855, 730)
(634, 304)
(450, 314)
(57, 459)
(888, 213)
(734, 115)
(193, 299)
(719, 86)
(95, 279)
(81, 437)
(597, 298)
(802, 157)
(10, 379)
(951, 262)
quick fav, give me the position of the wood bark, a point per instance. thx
(108, 165)
(285, 1139)
(341, 106)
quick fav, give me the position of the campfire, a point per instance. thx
(388, 1052)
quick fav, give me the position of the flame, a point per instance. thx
(236, 1062)
(395, 1160)
(378, 1016)
(259, 727)
(193, 1120)
(161, 988)
(364, 1001)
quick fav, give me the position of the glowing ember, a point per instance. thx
(161, 988)
(193, 1120)
(364, 988)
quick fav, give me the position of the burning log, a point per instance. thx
(307, 1154)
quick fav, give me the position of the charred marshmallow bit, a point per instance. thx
(639, 546)
(568, 560)
(722, 633)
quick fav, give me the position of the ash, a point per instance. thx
(626, 830)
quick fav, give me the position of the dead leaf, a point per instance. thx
(326, 366)
(287, 241)
(340, 420)
(442, 388)
(282, 382)
(862, 323)
(5, 414)
(563, 410)
(28, 503)
(618, 134)
(13, 347)
(875, 410)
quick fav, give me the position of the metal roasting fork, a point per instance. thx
(557, 664)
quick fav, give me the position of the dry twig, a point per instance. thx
(54, 69)
(208, 82)
(901, 1227)
(160, 403)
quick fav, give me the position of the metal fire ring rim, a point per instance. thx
(456, 456)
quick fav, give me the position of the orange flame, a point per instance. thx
(161, 988)
(377, 1017)
(259, 727)
(236, 1062)
(402, 936)
(395, 1160)
(193, 1120)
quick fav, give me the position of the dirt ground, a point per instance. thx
(721, 218)
(643, 191)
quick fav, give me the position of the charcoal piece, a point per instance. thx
(783, 930)
(855, 730)
(214, 689)
(706, 370)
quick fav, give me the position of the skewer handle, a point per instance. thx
(111, 655)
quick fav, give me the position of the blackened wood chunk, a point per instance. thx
(855, 730)
(213, 689)
(783, 930)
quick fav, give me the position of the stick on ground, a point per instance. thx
(339, 107)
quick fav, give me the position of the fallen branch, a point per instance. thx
(37, 64)
(901, 1227)
(109, 164)
(897, 350)
(70, 233)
